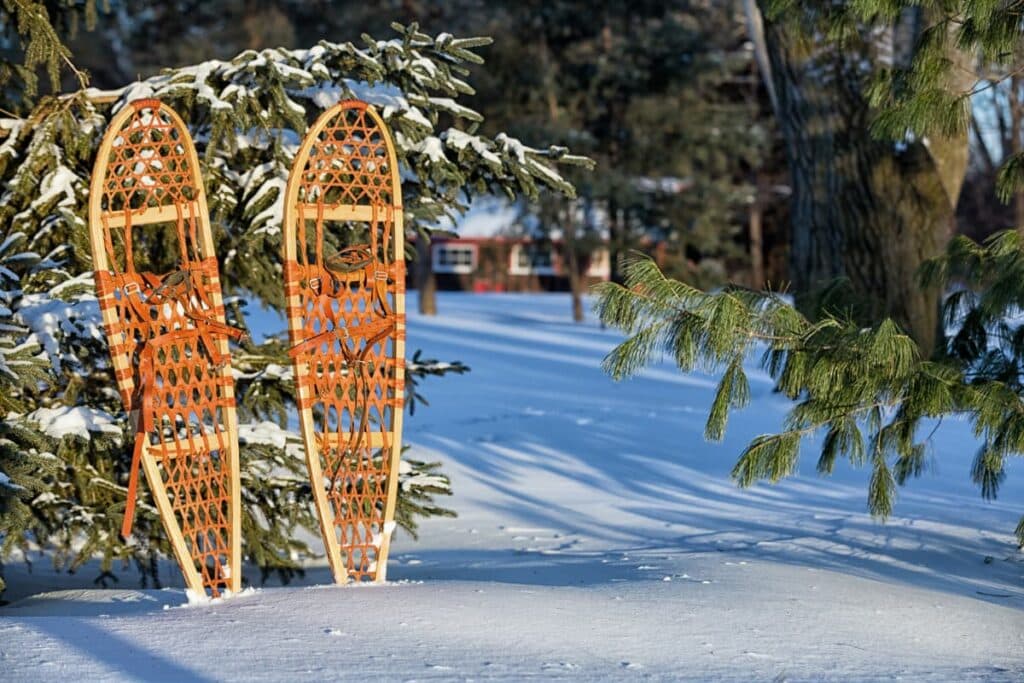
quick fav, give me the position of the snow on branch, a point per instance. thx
(248, 115)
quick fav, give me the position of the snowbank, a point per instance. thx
(599, 538)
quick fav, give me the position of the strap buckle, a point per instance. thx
(130, 288)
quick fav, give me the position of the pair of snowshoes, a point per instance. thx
(344, 284)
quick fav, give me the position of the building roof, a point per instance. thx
(487, 217)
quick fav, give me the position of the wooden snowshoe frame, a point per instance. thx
(345, 294)
(168, 339)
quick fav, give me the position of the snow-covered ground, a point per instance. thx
(598, 537)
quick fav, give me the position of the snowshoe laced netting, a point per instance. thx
(167, 340)
(345, 325)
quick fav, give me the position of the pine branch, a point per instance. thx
(844, 380)
(40, 44)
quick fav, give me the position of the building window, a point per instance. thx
(529, 259)
(454, 258)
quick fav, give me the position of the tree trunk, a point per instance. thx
(573, 262)
(616, 241)
(426, 283)
(756, 244)
(864, 210)
(1014, 146)
(570, 256)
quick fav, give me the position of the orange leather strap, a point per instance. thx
(373, 332)
(146, 397)
(146, 392)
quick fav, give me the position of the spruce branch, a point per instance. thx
(247, 115)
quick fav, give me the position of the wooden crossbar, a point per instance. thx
(335, 440)
(206, 442)
(153, 214)
(346, 212)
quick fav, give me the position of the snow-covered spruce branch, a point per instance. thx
(867, 389)
(247, 115)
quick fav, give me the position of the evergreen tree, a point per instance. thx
(663, 97)
(65, 443)
(673, 80)
(868, 389)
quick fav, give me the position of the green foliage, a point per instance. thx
(664, 97)
(913, 95)
(43, 47)
(24, 470)
(34, 25)
(867, 390)
(420, 482)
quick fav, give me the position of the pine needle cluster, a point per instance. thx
(866, 390)
(30, 24)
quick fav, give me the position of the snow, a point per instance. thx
(265, 432)
(432, 148)
(414, 115)
(196, 599)
(380, 536)
(80, 420)
(487, 216)
(460, 140)
(265, 185)
(598, 538)
(196, 77)
(271, 434)
(8, 141)
(452, 107)
(59, 182)
(51, 319)
(409, 481)
(385, 95)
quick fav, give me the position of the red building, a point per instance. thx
(489, 255)
(509, 264)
